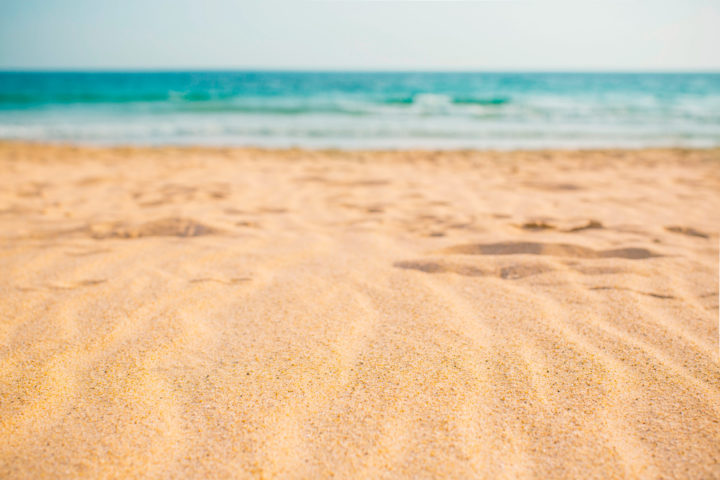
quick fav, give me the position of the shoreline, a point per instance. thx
(5, 143)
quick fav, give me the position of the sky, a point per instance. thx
(615, 35)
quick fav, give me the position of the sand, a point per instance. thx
(241, 313)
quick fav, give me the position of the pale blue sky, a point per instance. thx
(354, 34)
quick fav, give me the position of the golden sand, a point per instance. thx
(239, 313)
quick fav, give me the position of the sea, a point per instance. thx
(363, 110)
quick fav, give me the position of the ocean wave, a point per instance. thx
(545, 107)
(376, 108)
(224, 101)
(528, 108)
(443, 98)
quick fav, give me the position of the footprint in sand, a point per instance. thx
(541, 224)
(511, 272)
(165, 227)
(552, 249)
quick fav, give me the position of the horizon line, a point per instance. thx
(349, 70)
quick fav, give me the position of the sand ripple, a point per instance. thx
(384, 317)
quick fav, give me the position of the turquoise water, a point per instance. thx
(363, 110)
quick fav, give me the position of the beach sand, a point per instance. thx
(242, 313)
